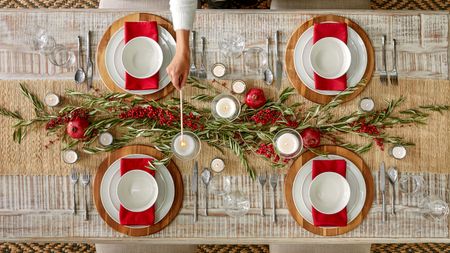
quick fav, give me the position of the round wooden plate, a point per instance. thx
(112, 29)
(329, 231)
(174, 172)
(290, 68)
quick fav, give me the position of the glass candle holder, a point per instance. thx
(70, 156)
(238, 86)
(398, 152)
(288, 143)
(226, 107)
(51, 99)
(219, 70)
(105, 139)
(366, 104)
(186, 146)
(217, 165)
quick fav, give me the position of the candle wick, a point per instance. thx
(181, 115)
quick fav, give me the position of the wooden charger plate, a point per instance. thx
(295, 79)
(112, 29)
(174, 172)
(292, 173)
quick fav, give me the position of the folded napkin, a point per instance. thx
(138, 29)
(127, 217)
(338, 219)
(339, 31)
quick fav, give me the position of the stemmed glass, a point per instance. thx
(433, 208)
(39, 40)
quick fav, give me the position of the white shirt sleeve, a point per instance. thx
(183, 13)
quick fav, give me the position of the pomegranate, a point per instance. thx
(310, 137)
(77, 127)
(255, 98)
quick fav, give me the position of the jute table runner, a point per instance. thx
(431, 153)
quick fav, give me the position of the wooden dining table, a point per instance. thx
(35, 190)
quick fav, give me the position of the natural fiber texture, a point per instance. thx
(411, 247)
(410, 5)
(47, 161)
(47, 247)
(53, 4)
(229, 248)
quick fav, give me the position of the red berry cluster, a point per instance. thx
(291, 123)
(373, 130)
(268, 151)
(266, 116)
(66, 117)
(193, 122)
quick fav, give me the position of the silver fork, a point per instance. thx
(273, 184)
(394, 73)
(262, 182)
(193, 69)
(85, 178)
(383, 72)
(201, 74)
(74, 180)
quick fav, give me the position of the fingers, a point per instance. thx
(174, 78)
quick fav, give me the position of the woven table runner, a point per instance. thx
(35, 157)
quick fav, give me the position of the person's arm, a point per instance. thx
(183, 13)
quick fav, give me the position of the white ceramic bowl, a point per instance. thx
(142, 57)
(330, 58)
(329, 193)
(137, 190)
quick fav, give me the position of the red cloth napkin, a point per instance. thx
(338, 219)
(339, 31)
(127, 217)
(138, 29)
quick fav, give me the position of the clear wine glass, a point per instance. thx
(433, 208)
(232, 44)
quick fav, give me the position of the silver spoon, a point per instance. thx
(206, 178)
(268, 75)
(79, 75)
(393, 176)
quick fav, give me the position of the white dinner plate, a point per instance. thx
(116, 70)
(110, 181)
(304, 69)
(303, 179)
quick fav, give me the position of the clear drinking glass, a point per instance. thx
(220, 185)
(255, 59)
(236, 203)
(411, 184)
(39, 40)
(61, 56)
(433, 208)
(232, 45)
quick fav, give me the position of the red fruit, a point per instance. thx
(255, 98)
(77, 127)
(310, 137)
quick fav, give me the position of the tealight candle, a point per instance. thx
(287, 144)
(226, 107)
(398, 152)
(219, 70)
(366, 104)
(217, 165)
(238, 86)
(105, 139)
(51, 99)
(184, 145)
(70, 156)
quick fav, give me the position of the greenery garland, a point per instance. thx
(123, 113)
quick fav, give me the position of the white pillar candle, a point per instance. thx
(105, 139)
(287, 144)
(70, 156)
(184, 146)
(217, 165)
(398, 152)
(366, 104)
(219, 70)
(238, 86)
(226, 107)
(51, 99)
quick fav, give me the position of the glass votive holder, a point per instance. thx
(225, 106)
(217, 165)
(238, 86)
(186, 146)
(52, 100)
(218, 70)
(288, 143)
(70, 156)
(255, 59)
(105, 139)
(366, 104)
(411, 184)
(398, 152)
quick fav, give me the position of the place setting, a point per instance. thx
(327, 55)
(133, 55)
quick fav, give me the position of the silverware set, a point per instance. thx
(392, 175)
(80, 75)
(193, 70)
(384, 74)
(85, 180)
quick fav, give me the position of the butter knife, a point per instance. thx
(278, 64)
(89, 65)
(383, 189)
(194, 187)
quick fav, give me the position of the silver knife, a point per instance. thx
(194, 187)
(278, 65)
(383, 189)
(89, 65)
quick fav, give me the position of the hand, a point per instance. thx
(178, 69)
